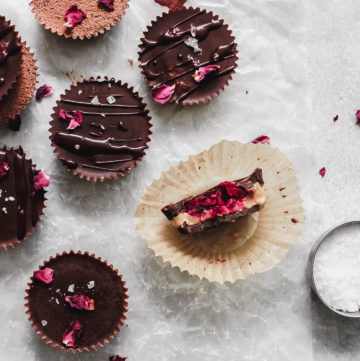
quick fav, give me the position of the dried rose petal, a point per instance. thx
(117, 358)
(203, 71)
(163, 93)
(45, 275)
(44, 91)
(41, 180)
(322, 172)
(80, 302)
(262, 139)
(358, 117)
(172, 4)
(72, 334)
(4, 168)
(75, 120)
(109, 4)
(336, 118)
(73, 16)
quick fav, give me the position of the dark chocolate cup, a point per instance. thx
(99, 343)
(15, 240)
(106, 175)
(214, 92)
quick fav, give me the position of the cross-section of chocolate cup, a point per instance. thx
(187, 56)
(76, 302)
(100, 129)
(22, 196)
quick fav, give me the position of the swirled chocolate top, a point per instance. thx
(21, 196)
(100, 129)
(10, 56)
(191, 52)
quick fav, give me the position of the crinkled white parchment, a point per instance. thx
(171, 316)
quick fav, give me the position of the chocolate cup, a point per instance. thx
(29, 224)
(68, 157)
(20, 95)
(98, 18)
(80, 349)
(208, 87)
(11, 67)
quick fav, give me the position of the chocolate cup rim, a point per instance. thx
(95, 34)
(208, 98)
(21, 108)
(99, 344)
(115, 175)
(21, 61)
(13, 243)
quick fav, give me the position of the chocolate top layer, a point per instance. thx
(20, 205)
(10, 56)
(114, 133)
(179, 43)
(78, 273)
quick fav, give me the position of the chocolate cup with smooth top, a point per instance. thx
(113, 135)
(166, 59)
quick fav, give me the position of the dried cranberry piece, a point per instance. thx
(41, 180)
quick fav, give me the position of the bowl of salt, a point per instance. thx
(335, 269)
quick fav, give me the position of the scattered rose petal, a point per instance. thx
(163, 93)
(73, 16)
(72, 334)
(45, 275)
(75, 119)
(117, 358)
(44, 91)
(4, 168)
(172, 4)
(322, 172)
(109, 4)
(41, 180)
(14, 124)
(80, 302)
(131, 62)
(336, 118)
(358, 117)
(262, 139)
(203, 71)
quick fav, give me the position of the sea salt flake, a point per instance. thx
(102, 114)
(111, 99)
(71, 288)
(77, 146)
(58, 290)
(95, 100)
(44, 322)
(194, 44)
(80, 92)
(91, 285)
(11, 199)
(4, 210)
(56, 300)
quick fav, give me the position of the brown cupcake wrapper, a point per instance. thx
(84, 34)
(20, 95)
(22, 60)
(217, 93)
(115, 175)
(13, 243)
(77, 349)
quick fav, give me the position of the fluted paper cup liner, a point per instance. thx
(253, 244)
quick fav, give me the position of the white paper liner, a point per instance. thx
(229, 252)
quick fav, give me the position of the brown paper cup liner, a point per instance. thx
(13, 242)
(215, 93)
(20, 96)
(100, 343)
(50, 14)
(234, 251)
(113, 175)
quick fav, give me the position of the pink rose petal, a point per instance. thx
(262, 139)
(4, 168)
(358, 117)
(117, 358)
(45, 275)
(72, 334)
(80, 302)
(336, 118)
(75, 119)
(163, 93)
(203, 71)
(109, 4)
(322, 172)
(172, 4)
(73, 16)
(41, 180)
(44, 91)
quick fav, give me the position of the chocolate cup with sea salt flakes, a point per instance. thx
(22, 196)
(76, 302)
(254, 243)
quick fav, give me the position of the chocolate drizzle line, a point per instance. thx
(164, 45)
(103, 146)
(10, 56)
(20, 206)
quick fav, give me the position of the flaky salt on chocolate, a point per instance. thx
(225, 203)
